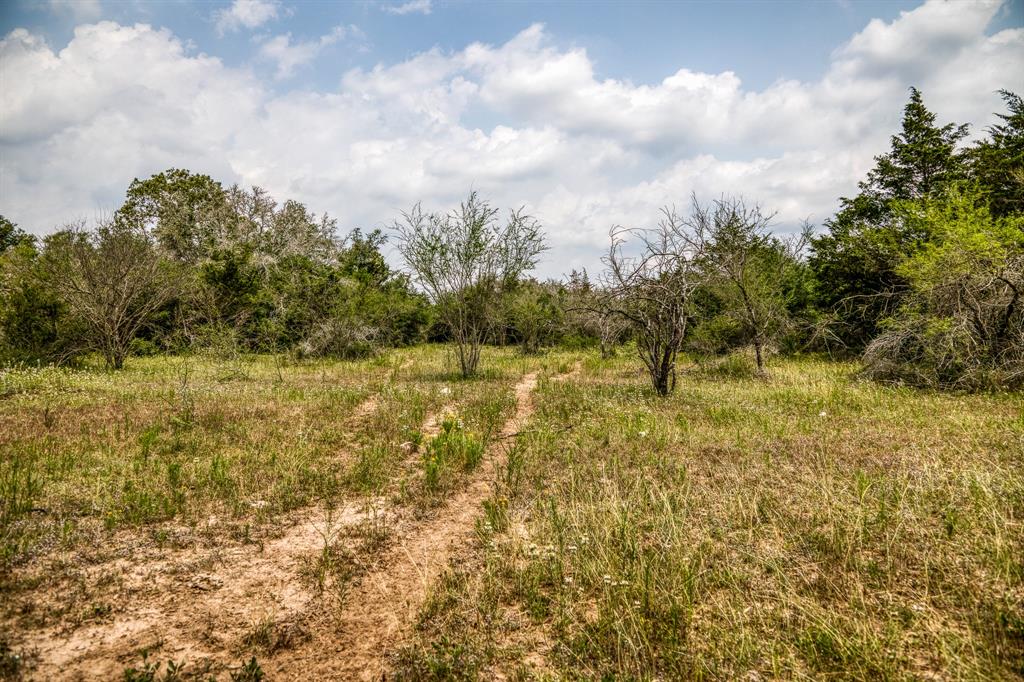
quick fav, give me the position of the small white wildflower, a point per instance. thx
(636, 603)
(823, 413)
(445, 390)
(571, 548)
(642, 434)
(568, 580)
(607, 579)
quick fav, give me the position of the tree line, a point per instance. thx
(919, 274)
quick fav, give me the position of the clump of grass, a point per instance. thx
(154, 671)
(250, 671)
(268, 636)
(453, 451)
(13, 665)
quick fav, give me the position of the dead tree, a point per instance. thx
(113, 280)
(653, 290)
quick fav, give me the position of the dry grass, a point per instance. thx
(167, 469)
(805, 526)
(808, 525)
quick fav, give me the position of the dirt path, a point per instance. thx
(379, 611)
(201, 605)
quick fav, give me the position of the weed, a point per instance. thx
(150, 671)
(453, 450)
(248, 672)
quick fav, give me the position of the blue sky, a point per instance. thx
(638, 41)
(590, 114)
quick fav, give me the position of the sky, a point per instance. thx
(588, 114)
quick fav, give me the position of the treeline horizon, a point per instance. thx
(920, 274)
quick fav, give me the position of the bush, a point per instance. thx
(962, 324)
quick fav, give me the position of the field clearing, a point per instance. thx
(551, 519)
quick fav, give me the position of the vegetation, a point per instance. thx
(235, 443)
(809, 526)
(466, 262)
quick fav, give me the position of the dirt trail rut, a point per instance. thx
(195, 605)
(382, 607)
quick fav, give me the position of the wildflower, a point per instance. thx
(567, 579)
(571, 548)
(642, 434)
(607, 579)
(445, 390)
(823, 413)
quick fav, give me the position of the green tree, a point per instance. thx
(466, 260)
(33, 326)
(961, 325)
(187, 212)
(855, 262)
(11, 235)
(997, 163)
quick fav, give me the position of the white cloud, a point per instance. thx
(245, 14)
(580, 151)
(288, 55)
(411, 7)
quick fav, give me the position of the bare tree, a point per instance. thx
(113, 279)
(748, 264)
(653, 290)
(465, 260)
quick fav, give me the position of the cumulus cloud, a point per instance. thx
(245, 14)
(580, 151)
(411, 7)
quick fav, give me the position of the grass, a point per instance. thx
(804, 525)
(808, 525)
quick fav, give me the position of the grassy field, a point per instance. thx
(806, 525)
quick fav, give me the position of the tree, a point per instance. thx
(588, 311)
(998, 162)
(11, 235)
(654, 290)
(465, 260)
(533, 314)
(31, 318)
(748, 267)
(855, 262)
(187, 212)
(962, 324)
(110, 278)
